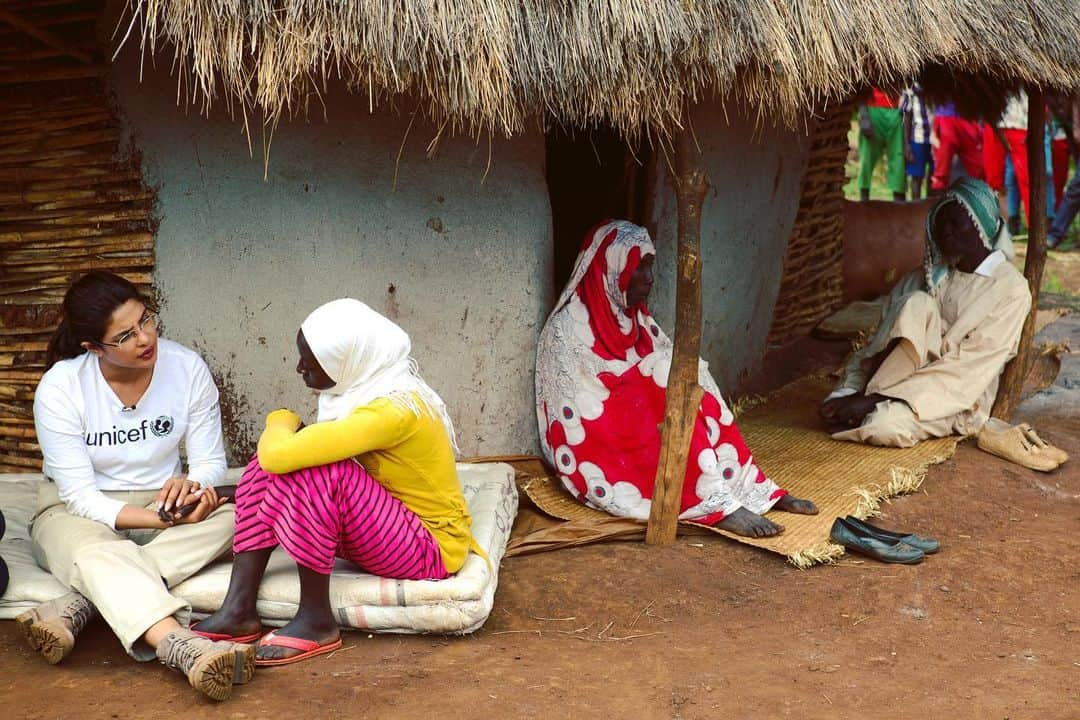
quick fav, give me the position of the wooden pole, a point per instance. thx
(1012, 378)
(683, 391)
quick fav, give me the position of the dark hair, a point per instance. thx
(88, 305)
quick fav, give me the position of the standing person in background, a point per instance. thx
(1070, 201)
(881, 131)
(916, 122)
(1012, 198)
(1058, 127)
(1009, 137)
(956, 137)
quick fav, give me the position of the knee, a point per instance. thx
(252, 478)
(920, 309)
(919, 303)
(892, 424)
(346, 472)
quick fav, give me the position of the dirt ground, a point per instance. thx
(988, 628)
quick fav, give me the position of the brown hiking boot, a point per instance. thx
(51, 627)
(211, 667)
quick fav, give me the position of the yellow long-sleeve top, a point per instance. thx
(409, 455)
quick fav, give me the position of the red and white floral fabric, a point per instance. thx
(601, 379)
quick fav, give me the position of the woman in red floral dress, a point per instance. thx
(602, 366)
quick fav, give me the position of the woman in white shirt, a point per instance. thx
(110, 413)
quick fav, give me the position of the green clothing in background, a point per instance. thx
(888, 138)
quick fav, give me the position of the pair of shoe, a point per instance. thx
(211, 667)
(881, 544)
(1020, 444)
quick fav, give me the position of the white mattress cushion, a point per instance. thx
(29, 585)
(459, 604)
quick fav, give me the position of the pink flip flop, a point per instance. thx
(308, 648)
(224, 637)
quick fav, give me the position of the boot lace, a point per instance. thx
(183, 652)
(78, 612)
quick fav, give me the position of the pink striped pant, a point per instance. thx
(335, 510)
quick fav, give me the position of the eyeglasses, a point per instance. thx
(147, 323)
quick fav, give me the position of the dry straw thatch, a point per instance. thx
(491, 65)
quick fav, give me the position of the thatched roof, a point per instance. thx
(494, 64)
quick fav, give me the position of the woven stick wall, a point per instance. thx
(70, 200)
(811, 286)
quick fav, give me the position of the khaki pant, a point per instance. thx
(126, 574)
(893, 423)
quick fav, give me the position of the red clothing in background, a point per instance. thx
(956, 137)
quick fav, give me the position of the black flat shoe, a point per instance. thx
(926, 544)
(866, 544)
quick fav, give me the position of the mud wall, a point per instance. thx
(456, 248)
(754, 178)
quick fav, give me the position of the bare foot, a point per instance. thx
(748, 524)
(307, 626)
(227, 621)
(790, 503)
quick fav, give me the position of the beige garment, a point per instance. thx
(126, 573)
(950, 349)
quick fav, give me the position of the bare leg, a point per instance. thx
(916, 188)
(237, 615)
(314, 619)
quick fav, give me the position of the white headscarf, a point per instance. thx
(367, 357)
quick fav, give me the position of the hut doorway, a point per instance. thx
(593, 175)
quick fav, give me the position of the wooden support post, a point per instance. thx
(1012, 378)
(683, 391)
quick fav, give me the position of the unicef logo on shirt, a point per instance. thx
(162, 426)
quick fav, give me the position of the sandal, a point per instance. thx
(225, 637)
(308, 648)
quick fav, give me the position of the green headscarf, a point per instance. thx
(981, 204)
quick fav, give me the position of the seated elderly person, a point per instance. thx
(602, 367)
(947, 330)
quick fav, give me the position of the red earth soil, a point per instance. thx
(707, 628)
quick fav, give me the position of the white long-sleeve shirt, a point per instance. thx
(91, 442)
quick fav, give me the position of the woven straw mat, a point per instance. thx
(790, 444)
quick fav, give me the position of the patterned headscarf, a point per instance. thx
(981, 205)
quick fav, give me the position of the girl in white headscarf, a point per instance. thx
(373, 482)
